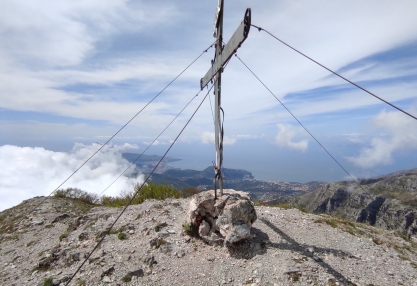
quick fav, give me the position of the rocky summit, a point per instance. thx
(150, 245)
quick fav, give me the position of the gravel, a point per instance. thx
(287, 247)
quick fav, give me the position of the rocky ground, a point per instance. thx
(148, 247)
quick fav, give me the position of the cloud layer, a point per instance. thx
(26, 172)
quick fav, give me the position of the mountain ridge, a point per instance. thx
(388, 201)
(237, 179)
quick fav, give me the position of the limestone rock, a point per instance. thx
(60, 217)
(229, 218)
(204, 228)
(107, 272)
(96, 255)
(149, 260)
(37, 222)
(137, 273)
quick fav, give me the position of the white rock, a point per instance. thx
(232, 215)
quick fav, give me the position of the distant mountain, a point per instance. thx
(131, 157)
(146, 163)
(236, 179)
(389, 201)
(199, 179)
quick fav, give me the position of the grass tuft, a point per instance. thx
(48, 281)
(191, 230)
(122, 236)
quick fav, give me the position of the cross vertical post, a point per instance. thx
(218, 132)
(222, 56)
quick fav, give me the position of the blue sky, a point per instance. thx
(75, 71)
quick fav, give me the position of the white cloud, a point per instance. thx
(156, 143)
(26, 172)
(123, 148)
(246, 136)
(353, 137)
(63, 33)
(229, 140)
(285, 136)
(402, 136)
(208, 138)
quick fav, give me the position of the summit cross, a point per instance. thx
(221, 57)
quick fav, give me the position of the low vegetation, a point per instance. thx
(64, 235)
(30, 243)
(191, 230)
(127, 278)
(8, 220)
(136, 196)
(48, 281)
(398, 191)
(77, 194)
(122, 236)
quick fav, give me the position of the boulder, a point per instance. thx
(149, 260)
(107, 272)
(60, 217)
(137, 273)
(227, 219)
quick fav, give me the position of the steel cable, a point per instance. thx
(136, 193)
(102, 146)
(335, 73)
(149, 145)
(318, 142)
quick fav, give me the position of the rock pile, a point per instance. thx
(227, 219)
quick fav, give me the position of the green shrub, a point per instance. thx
(127, 278)
(48, 281)
(332, 222)
(377, 241)
(30, 243)
(259, 203)
(64, 235)
(160, 242)
(188, 192)
(122, 236)
(282, 205)
(148, 191)
(152, 191)
(302, 209)
(191, 230)
(77, 194)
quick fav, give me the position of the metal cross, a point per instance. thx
(222, 56)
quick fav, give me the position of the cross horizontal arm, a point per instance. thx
(234, 43)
